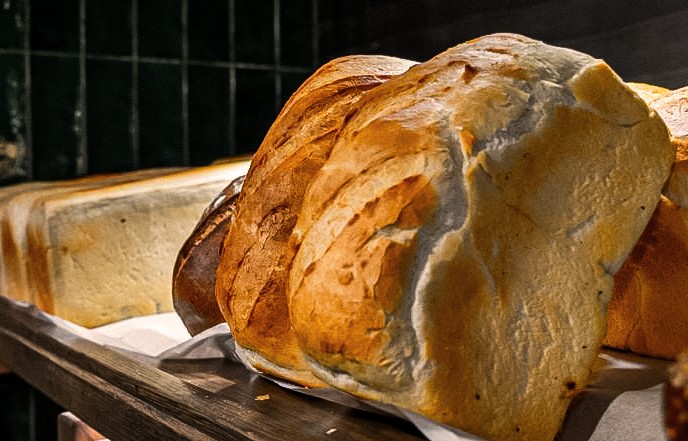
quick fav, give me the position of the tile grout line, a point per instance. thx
(28, 110)
(80, 116)
(32, 414)
(231, 35)
(163, 61)
(315, 12)
(186, 153)
(135, 128)
(276, 41)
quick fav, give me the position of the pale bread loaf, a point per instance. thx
(457, 247)
(101, 249)
(15, 207)
(253, 269)
(673, 108)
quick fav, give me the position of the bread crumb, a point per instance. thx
(263, 397)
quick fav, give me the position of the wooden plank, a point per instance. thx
(100, 403)
(125, 398)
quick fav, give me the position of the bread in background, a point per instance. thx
(193, 285)
(101, 249)
(648, 312)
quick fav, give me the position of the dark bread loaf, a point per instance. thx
(193, 286)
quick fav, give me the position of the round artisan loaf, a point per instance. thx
(648, 312)
(193, 284)
(253, 270)
(458, 246)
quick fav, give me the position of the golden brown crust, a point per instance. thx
(364, 280)
(447, 237)
(519, 156)
(253, 270)
(648, 92)
(647, 313)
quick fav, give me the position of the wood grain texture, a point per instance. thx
(127, 398)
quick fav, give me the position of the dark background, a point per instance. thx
(96, 86)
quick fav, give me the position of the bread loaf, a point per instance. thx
(648, 312)
(673, 108)
(648, 92)
(458, 246)
(193, 287)
(102, 249)
(16, 203)
(253, 270)
(13, 282)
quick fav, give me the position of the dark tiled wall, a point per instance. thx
(643, 41)
(93, 86)
(25, 413)
(97, 86)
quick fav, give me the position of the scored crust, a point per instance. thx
(254, 265)
(458, 245)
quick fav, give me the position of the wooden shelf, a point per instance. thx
(134, 398)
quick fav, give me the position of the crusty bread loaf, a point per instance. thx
(193, 285)
(457, 247)
(253, 270)
(102, 249)
(648, 312)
